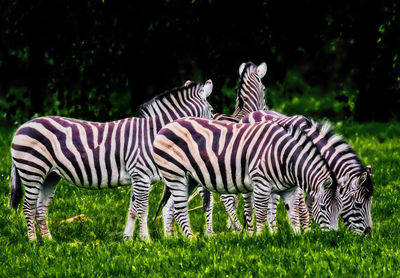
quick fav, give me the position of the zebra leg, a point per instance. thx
(248, 210)
(130, 223)
(208, 207)
(45, 196)
(180, 195)
(309, 203)
(305, 220)
(290, 199)
(141, 203)
(230, 203)
(168, 217)
(262, 195)
(32, 189)
(138, 206)
(272, 209)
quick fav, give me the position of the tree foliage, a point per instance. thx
(100, 59)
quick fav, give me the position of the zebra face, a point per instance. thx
(356, 212)
(327, 205)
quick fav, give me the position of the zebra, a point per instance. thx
(250, 97)
(97, 155)
(357, 193)
(262, 158)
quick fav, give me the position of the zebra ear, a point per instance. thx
(262, 70)
(187, 83)
(241, 68)
(343, 180)
(369, 169)
(362, 179)
(207, 89)
(327, 183)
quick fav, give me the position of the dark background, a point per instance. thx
(100, 60)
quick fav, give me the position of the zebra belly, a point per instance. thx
(227, 185)
(98, 182)
(281, 188)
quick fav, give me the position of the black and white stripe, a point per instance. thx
(250, 97)
(344, 162)
(97, 155)
(262, 158)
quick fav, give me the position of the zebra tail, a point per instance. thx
(16, 188)
(166, 196)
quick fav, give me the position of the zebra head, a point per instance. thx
(356, 211)
(327, 205)
(187, 101)
(206, 91)
(250, 93)
(208, 109)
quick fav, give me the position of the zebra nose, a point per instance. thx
(368, 231)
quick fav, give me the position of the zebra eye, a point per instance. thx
(358, 205)
(323, 207)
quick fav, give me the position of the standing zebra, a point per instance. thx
(97, 155)
(262, 158)
(250, 98)
(357, 193)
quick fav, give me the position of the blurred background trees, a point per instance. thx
(100, 59)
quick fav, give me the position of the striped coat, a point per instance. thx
(250, 97)
(344, 162)
(262, 158)
(96, 155)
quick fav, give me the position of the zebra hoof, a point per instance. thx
(247, 233)
(127, 237)
(145, 238)
(169, 232)
(210, 233)
(195, 236)
(47, 237)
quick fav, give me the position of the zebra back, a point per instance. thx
(341, 157)
(185, 101)
(100, 154)
(231, 158)
(223, 117)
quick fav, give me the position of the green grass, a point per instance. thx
(93, 246)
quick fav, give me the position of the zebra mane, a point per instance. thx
(326, 131)
(301, 136)
(147, 108)
(250, 66)
(343, 147)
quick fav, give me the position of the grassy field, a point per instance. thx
(93, 245)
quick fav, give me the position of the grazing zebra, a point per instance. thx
(342, 160)
(97, 155)
(250, 97)
(262, 158)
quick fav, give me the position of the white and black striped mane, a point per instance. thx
(249, 67)
(327, 132)
(148, 108)
(345, 149)
(299, 135)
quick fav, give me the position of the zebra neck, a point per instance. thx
(241, 112)
(155, 123)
